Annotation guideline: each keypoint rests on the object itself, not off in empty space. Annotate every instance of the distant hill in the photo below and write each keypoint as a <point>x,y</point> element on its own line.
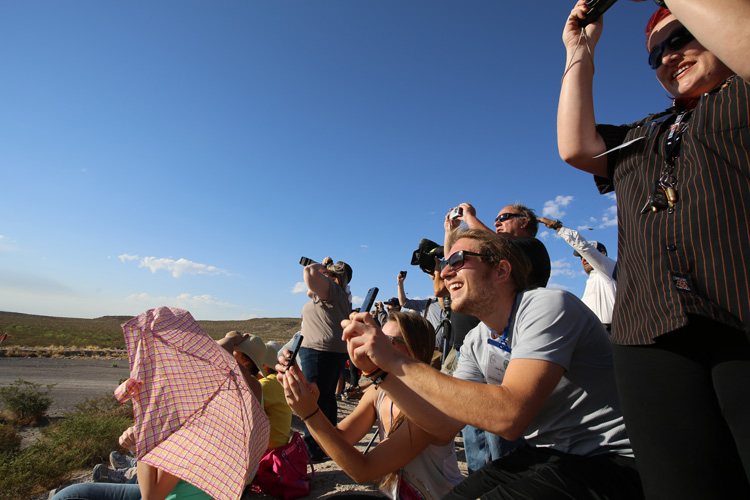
<point>30,330</point>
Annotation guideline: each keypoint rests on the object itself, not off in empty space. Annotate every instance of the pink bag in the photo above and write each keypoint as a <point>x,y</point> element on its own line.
<point>282,472</point>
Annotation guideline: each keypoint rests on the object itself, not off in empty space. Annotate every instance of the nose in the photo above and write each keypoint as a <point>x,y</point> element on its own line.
<point>447,271</point>
<point>669,56</point>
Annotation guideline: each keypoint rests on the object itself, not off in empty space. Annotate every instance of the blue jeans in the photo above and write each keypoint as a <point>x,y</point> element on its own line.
<point>482,447</point>
<point>99,491</point>
<point>323,368</point>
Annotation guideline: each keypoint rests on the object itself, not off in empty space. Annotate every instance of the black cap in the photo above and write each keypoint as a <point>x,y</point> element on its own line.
<point>599,246</point>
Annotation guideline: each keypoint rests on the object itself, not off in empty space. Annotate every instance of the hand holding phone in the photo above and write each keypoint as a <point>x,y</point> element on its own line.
<point>369,299</point>
<point>295,349</point>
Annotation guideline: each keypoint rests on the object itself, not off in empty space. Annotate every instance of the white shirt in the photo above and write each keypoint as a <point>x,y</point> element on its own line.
<point>600,290</point>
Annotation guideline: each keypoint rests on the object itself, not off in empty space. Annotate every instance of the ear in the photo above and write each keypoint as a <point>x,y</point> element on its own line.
<point>525,222</point>
<point>502,271</point>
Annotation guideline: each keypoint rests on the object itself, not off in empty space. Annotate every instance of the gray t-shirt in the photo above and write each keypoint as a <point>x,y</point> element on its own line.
<point>582,414</point>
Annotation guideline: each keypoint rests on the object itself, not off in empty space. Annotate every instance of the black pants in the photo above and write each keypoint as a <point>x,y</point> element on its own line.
<point>686,402</point>
<point>544,474</point>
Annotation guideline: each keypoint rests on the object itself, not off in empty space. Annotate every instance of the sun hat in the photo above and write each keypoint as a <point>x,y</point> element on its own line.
<point>254,347</point>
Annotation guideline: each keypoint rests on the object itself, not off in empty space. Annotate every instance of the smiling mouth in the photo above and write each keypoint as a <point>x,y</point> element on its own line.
<point>455,286</point>
<point>681,70</point>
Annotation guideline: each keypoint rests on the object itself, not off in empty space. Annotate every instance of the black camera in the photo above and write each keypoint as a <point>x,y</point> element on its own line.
<point>596,9</point>
<point>424,255</point>
<point>305,261</point>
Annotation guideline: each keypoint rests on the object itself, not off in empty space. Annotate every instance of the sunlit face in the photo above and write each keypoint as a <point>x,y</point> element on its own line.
<point>514,227</point>
<point>470,286</point>
<point>689,71</point>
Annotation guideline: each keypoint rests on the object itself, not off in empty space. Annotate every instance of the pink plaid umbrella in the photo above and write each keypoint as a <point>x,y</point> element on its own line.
<point>195,416</point>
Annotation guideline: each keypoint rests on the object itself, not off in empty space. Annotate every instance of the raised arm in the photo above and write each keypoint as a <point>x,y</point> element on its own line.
<point>577,139</point>
<point>400,285</point>
<point>317,282</point>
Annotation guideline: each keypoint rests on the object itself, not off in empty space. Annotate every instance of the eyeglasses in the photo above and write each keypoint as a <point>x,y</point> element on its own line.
<point>676,40</point>
<point>457,260</point>
<point>397,339</point>
<point>506,216</point>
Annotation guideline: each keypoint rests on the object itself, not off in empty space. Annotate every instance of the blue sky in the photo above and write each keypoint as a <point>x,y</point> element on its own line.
<point>187,153</point>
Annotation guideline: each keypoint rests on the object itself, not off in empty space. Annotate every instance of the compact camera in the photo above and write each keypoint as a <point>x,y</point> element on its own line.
<point>455,213</point>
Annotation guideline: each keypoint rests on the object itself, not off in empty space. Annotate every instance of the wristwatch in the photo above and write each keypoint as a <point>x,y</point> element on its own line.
<point>557,225</point>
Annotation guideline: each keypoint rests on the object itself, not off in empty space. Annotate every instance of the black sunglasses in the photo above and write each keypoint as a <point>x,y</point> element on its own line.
<point>676,40</point>
<point>506,216</point>
<point>457,260</point>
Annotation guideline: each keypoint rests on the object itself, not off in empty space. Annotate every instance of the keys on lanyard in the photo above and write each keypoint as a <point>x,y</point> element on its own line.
<point>664,193</point>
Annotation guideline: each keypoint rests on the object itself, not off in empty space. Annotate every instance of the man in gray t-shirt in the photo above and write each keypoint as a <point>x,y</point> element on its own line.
<point>540,366</point>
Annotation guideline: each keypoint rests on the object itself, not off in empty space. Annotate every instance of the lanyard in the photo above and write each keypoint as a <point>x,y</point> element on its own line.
<point>502,342</point>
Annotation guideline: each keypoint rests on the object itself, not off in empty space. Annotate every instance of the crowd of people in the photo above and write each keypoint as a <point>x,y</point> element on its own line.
<point>635,390</point>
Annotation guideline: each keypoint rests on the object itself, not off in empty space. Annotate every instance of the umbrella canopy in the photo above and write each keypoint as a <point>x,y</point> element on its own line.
<point>195,416</point>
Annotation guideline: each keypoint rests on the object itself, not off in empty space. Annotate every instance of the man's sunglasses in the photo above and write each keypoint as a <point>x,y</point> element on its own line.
<point>506,216</point>
<point>676,40</point>
<point>457,260</point>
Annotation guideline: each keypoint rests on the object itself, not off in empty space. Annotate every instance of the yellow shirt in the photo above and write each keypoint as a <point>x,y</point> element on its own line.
<point>277,410</point>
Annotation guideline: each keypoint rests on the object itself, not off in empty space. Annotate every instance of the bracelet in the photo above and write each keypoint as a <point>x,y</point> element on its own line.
<point>557,225</point>
<point>376,377</point>
<point>313,413</point>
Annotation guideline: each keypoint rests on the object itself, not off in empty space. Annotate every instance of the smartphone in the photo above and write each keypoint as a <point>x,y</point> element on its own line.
<point>306,262</point>
<point>596,9</point>
<point>295,349</point>
<point>402,274</point>
<point>369,299</point>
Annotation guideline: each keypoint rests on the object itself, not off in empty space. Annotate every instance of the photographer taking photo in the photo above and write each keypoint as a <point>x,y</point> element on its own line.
<point>682,178</point>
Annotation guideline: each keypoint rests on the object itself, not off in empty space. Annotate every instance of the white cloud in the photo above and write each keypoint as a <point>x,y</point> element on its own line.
<point>609,218</point>
<point>562,267</point>
<point>612,196</point>
<point>364,246</point>
<point>554,208</point>
<point>299,287</point>
<point>543,236</point>
<point>176,267</point>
